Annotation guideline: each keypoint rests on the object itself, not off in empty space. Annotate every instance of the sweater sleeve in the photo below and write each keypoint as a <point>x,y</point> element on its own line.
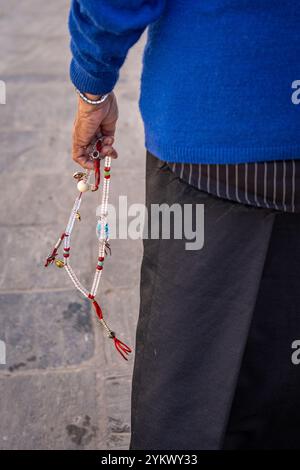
<point>102,32</point>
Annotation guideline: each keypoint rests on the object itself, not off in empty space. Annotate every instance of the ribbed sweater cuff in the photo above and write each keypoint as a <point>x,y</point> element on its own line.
<point>86,83</point>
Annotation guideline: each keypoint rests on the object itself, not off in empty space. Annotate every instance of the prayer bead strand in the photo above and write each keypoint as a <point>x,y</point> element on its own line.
<point>83,185</point>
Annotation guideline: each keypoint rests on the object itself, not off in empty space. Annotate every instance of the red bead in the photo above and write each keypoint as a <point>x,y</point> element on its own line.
<point>98,310</point>
<point>99,268</point>
<point>107,168</point>
<point>101,258</point>
<point>99,145</point>
<point>107,177</point>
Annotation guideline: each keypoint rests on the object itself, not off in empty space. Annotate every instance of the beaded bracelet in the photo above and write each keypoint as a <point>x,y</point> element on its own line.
<point>89,101</point>
<point>83,185</point>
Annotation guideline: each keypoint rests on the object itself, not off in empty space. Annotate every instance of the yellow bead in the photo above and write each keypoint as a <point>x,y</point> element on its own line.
<point>59,263</point>
<point>78,216</point>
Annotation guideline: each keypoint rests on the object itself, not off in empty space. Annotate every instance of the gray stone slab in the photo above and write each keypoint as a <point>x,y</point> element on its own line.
<point>29,152</point>
<point>55,395</point>
<point>37,110</point>
<point>122,269</point>
<point>129,144</point>
<point>119,442</point>
<point>30,18</point>
<point>118,390</point>
<point>23,253</point>
<point>33,58</point>
<point>46,330</point>
<point>47,199</point>
<point>31,230</point>
<point>26,244</point>
<point>63,410</point>
<point>56,192</point>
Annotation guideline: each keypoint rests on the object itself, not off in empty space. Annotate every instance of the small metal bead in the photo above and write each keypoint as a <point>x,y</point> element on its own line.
<point>96,154</point>
<point>78,175</point>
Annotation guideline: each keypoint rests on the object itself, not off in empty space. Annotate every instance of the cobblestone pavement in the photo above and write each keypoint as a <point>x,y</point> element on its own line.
<point>63,385</point>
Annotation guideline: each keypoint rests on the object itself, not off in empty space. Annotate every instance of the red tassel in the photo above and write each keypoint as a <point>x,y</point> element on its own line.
<point>122,348</point>
<point>52,256</point>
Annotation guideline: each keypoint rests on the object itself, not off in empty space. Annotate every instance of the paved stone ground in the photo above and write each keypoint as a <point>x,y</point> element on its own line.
<point>64,386</point>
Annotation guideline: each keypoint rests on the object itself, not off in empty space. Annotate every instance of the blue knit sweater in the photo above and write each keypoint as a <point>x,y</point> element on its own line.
<point>219,81</point>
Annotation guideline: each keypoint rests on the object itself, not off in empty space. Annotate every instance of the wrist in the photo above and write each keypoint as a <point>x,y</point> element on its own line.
<point>93,97</point>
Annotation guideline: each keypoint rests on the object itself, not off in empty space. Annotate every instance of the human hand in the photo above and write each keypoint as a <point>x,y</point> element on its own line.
<point>90,121</point>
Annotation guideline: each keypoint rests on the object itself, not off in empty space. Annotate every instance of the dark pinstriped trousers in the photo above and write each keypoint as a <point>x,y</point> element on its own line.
<point>213,346</point>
